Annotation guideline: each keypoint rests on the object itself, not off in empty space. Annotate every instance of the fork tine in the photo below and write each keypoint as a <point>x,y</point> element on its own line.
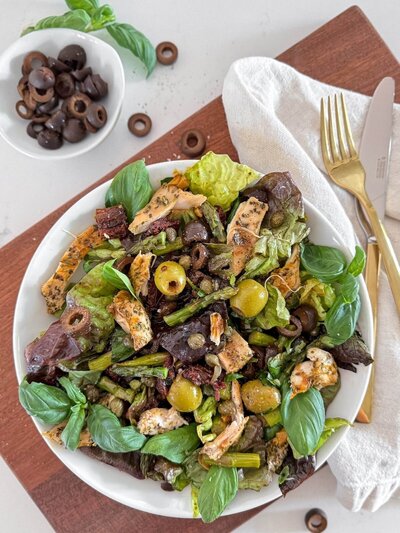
<point>334,150</point>
<point>324,136</point>
<point>339,130</point>
<point>349,136</point>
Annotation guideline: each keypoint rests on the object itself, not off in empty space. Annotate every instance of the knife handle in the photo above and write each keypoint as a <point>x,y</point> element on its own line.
<point>372,268</point>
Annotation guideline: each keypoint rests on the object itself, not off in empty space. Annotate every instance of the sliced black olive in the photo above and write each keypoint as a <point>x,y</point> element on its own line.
<point>307,316</point>
<point>94,86</point>
<point>73,56</point>
<point>48,106</point>
<point>23,110</point>
<point>22,86</point>
<point>57,66</point>
<point>100,84</point>
<point>41,95</point>
<point>88,126</point>
<point>42,78</point>
<point>76,321</point>
<point>40,119</point>
<point>77,105</point>
<point>199,256</point>
<point>34,128</point>
<point>81,74</point>
<point>290,331</point>
<point>30,102</point>
<point>51,140</point>
<point>33,60</point>
<point>74,131</point>
<point>64,85</point>
<point>195,231</point>
<point>96,115</point>
<point>57,121</point>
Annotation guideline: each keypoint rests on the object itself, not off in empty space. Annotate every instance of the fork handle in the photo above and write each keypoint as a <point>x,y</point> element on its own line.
<point>388,255</point>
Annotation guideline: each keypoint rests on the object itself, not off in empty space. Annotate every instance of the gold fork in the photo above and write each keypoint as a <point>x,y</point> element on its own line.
<point>344,167</point>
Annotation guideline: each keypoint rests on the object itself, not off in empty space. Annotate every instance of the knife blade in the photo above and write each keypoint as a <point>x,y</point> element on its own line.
<point>375,156</point>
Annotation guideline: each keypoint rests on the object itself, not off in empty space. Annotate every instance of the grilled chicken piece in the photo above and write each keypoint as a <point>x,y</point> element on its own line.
<point>139,273</point>
<point>277,450</point>
<point>132,317</point>
<point>231,434</point>
<point>287,278</point>
<point>160,420</point>
<point>319,371</point>
<point>55,288</point>
<point>242,232</point>
<point>217,328</point>
<point>167,197</point>
<point>54,434</point>
<point>235,354</point>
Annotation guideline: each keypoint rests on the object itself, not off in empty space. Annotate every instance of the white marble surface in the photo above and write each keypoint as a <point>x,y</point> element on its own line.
<point>210,34</point>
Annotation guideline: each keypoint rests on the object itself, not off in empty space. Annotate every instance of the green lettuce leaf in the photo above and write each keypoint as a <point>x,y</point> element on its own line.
<point>219,178</point>
<point>275,313</point>
<point>319,295</point>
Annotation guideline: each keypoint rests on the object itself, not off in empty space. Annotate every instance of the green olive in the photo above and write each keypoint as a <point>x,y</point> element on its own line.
<point>259,398</point>
<point>170,278</point>
<point>250,299</point>
<point>184,395</point>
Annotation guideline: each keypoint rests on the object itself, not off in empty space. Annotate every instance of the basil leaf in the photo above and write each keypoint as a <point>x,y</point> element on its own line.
<point>174,445</point>
<point>87,5</point>
<point>331,425</point>
<point>137,43</point>
<point>131,188</point>
<point>73,392</point>
<point>76,20</point>
<point>107,432</point>
<point>49,404</point>
<point>217,491</point>
<point>117,278</point>
<point>84,377</point>
<point>72,431</point>
<point>357,265</point>
<point>102,17</point>
<point>341,319</point>
<point>348,288</point>
<point>303,419</point>
<point>323,262</point>
<point>232,377</point>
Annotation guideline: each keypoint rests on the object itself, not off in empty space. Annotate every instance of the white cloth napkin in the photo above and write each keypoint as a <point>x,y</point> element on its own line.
<point>273,119</point>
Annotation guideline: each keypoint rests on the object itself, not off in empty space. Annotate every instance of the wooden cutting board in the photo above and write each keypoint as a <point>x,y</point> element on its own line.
<point>347,52</point>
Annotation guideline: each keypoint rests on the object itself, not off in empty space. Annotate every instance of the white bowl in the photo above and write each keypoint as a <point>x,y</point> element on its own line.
<point>103,59</point>
<point>147,495</point>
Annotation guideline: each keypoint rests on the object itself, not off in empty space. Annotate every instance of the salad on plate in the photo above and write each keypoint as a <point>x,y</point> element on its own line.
<point>198,334</point>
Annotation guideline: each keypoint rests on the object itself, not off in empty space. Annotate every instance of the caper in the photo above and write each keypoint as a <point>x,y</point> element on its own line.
<point>250,299</point>
<point>212,359</point>
<point>170,278</point>
<point>206,285</point>
<point>185,261</point>
<point>277,219</point>
<point>171,234</point>
<point>184,395</point>
<point>259,398</point>
<point>196,341</point>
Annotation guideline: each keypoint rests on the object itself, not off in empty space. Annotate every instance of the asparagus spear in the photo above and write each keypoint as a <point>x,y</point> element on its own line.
<point>177,244</point>
<point>212,217</point>
<point>152,359</point>
<point>140,371</point>
<point>148,244</point>
<point>237,460</point>
<point>180,316</point>
<point>102,362</point>
<point>108,385</point>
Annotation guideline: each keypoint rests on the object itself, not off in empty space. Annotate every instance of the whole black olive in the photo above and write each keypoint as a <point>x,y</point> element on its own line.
<point>96,115</point>
<point>73,56</point>
<point>42,78</point>
<point>57,66</point>
<point>57,121</point>
<point>195,231</point>
<point>32,60</point>
<point>307,316</point>
<point>81,74</point>
<point>49,139</point>
<point>74,131</point>
<point>48,106</point>
<point>64,85</point>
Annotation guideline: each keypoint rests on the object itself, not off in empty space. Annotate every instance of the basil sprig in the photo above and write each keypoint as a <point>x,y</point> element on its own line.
<point>174,445</point>
<point>88,16</point>
<point>216,492</point>
<point>107,432</point>
<point>48,404</point>
<point>72,431</point>
<point>323,262</point>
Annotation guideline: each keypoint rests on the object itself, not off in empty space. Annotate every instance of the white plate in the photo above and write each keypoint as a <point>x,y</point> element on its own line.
<point>103,59</point>
<point>31,317</point>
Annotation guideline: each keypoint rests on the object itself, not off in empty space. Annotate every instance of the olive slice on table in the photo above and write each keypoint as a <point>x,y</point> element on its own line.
<point>139,124</point>
<point>64,85</point>
<point>51,140</point>
<point>23,110</point>
<point>77,105</point>
<point>57,121</point>
<point>57,65</point>
<point>74,131</point>
<point>316,520</point>
<point>167,53</point>
<point>33,60</point>
<point>73,55</point>
<point>42,78</point>
<point>96,115</point>
<point>41,95</point>
<point>34,128</point>
<point>193,143</point>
